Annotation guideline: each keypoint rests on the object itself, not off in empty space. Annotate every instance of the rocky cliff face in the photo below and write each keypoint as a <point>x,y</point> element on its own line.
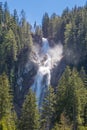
<point>25,79</point>
<point>57,72</point>
<point>44,67</point>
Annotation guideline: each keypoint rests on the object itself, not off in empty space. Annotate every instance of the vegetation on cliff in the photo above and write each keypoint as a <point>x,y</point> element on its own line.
<point>64,107</point>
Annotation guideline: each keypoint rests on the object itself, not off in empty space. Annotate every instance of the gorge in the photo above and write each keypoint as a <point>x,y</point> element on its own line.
<point>49,64</point>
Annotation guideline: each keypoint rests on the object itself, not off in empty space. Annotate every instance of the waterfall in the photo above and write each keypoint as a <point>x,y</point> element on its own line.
<point>46,58</point>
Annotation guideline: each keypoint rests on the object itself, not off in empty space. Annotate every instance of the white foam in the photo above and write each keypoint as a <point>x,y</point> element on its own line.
<point>47,58</point>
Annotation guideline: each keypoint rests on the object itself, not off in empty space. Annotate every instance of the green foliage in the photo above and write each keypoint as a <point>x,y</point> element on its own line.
<point>59,127</point>
<point>30,116</point>
<point>45,25</point>
<point>7,116</point>
<point>48,109</point>
<point>71,98</point>
<point>82,128</point>
<point>6,13</point>
<point>69,111</point>
<point>10,45</point>
<point>38,31</point>
<point>71,30</point>
<point>15,38</point>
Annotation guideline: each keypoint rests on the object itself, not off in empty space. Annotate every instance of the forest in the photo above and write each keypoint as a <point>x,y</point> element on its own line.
<point>64,106</point>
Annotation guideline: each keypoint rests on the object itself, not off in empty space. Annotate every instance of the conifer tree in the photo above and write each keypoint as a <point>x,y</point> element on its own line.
<point>7,113</point>
<point>6,13</point>
<point>83,76</point>
<point>45,25</point>
<point>10,48</point>
<point>71,98</point>
<point>29,119</point>
<point>48,109</point>
<point>15,16</point>
<point>1,13</point>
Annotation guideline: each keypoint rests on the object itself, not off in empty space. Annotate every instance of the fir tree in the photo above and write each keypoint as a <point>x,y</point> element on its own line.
<point>30,117</point>
<point>7,116</point>
<point>45,25</point>
<point>48,109</point>
<point>71,98</point>
<point>10,48</point>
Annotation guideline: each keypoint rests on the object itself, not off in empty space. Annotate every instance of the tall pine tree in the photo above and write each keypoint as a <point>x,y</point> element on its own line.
<point>48,109</point>
<point>7,114</point>
<point>29,119</point>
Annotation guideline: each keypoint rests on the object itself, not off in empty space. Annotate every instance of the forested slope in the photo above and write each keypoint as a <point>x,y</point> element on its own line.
<point>65,105</point>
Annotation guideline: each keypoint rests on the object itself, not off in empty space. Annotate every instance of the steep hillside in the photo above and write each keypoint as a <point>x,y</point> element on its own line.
<point>43,70</point>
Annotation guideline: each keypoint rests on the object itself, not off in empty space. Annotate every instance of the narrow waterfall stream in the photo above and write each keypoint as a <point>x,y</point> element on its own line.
<point>46,58</point>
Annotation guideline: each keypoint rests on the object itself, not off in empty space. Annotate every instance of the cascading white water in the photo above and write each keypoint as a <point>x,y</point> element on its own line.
<point>46,58</point>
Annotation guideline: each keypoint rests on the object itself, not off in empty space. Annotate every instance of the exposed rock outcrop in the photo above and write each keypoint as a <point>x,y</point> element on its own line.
<point>57,72</point>
<point>46,62</point>
<point>24,81</point>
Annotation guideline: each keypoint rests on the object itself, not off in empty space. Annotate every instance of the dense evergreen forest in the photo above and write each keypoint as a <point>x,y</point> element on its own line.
<point>64,108</point>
